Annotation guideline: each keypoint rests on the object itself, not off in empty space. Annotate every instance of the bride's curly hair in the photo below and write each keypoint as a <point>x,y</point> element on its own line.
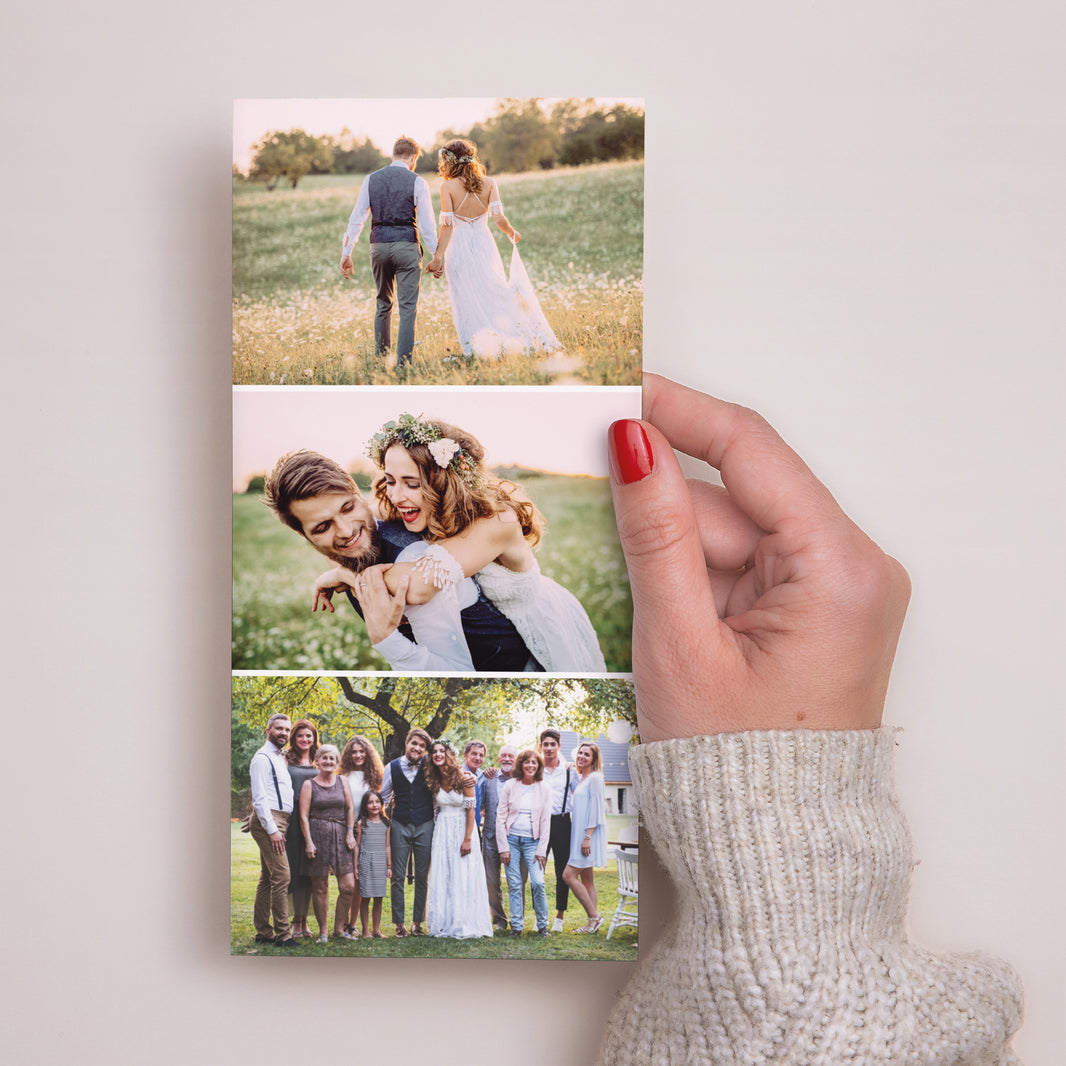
<point>446,776</point>
<point>458,159</point>
<point>455,497</point>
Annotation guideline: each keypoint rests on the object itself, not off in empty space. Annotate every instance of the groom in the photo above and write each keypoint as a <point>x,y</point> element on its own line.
<point>397,201</point>
<point>318,499</point>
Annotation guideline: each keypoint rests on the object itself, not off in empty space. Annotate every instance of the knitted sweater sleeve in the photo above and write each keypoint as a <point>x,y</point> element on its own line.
<point>792,863</point>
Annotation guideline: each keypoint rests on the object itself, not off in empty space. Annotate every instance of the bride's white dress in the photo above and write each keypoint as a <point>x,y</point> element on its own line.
<point>493,316</point>
<point>549,618</point>
<point>458,903</point>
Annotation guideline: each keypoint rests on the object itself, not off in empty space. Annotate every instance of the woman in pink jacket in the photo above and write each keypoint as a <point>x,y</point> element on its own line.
<point>523,825</point>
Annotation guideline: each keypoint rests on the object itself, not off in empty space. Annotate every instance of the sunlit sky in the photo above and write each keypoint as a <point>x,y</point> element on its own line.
<point>561,430</point>
<point>380,120</point>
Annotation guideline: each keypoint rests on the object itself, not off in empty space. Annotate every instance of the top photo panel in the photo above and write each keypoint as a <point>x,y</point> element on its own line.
<point>465,242</point>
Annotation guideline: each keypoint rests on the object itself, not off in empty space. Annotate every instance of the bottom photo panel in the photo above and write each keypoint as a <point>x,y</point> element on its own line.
<point>388,816</point>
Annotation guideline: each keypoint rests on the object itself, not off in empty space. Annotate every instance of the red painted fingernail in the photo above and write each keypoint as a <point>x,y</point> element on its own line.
<point>630,451</point>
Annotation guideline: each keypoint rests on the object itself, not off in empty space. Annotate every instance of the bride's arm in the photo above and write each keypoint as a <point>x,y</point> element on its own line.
<point>436,265</point>
<point>484,540</point>
<point>496,209</point>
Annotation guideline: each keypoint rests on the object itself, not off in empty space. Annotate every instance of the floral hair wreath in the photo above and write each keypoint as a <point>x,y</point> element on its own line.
<point>407,431</point>
<point>448,154</point>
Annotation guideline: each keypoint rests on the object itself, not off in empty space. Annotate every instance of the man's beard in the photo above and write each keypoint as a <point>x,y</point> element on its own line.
<point>370,554</point>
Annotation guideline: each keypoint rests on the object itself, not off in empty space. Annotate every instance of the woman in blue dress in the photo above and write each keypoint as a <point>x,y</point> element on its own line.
<point>588,834</point>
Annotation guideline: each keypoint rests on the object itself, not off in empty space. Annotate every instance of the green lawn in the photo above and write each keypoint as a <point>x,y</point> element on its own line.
<point>244,872</point>
<point>273,571</point>
<point>297,321</point>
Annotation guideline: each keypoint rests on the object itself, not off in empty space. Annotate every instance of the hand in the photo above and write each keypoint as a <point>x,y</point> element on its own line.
<point>505,858</point>
<point>435,267</point>
<point>759,605</point>
<point>491,772</point>
<point>346,266</point>
<point>349,841</point>
<point>310,849</point>
<point>328,583</point>
<point>382,610</point>
<point>277,842</point>
<point>516,236</point>
<point>388,871</point>
<point>586,847</point>
<point>467,780</point>
<point>464,848</point>
<point>246,825</point>
<point>542,861</point>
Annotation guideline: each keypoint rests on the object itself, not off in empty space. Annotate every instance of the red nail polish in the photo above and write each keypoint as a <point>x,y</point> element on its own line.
<point>630,451</point>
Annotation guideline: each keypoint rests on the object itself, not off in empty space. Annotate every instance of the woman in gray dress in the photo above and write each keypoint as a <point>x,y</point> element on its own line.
<point>328,818</point>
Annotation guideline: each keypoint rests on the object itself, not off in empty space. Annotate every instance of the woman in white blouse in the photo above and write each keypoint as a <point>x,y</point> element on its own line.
<point>523,826</point>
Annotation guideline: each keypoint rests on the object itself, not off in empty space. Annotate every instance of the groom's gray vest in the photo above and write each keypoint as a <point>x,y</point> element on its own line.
<point>392,205</point>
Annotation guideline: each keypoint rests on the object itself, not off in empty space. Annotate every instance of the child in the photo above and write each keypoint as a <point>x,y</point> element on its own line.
<point>373,858</point>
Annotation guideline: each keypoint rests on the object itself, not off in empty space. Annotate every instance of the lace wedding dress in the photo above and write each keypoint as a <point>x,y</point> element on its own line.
<point>458,895</point>
<point>549,619</point>
<point>493,316</point>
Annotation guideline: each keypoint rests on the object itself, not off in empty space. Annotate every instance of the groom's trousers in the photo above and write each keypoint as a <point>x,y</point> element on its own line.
<point>397,268</point>
<point>405,839</point>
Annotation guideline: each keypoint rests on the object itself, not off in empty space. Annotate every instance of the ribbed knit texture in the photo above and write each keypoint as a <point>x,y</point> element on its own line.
<point>792,863</point>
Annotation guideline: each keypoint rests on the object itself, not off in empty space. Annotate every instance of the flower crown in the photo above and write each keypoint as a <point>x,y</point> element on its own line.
<point>448,154</point>
<point>408,430</point>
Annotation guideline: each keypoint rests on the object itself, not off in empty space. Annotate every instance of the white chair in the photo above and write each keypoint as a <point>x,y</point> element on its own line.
<point>626,911</point>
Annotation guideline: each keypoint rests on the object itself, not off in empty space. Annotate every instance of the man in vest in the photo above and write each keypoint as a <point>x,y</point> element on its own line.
<point>412,825</point>
<point>271,810</point>
<point>400,208</point>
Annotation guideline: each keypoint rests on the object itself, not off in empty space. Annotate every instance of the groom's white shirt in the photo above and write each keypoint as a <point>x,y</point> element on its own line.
<point>437,627</point>
<point>427,221</point>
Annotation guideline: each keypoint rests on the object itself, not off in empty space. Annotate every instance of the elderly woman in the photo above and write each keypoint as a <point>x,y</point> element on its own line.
<point>523,827</point>
<point>328,821</point>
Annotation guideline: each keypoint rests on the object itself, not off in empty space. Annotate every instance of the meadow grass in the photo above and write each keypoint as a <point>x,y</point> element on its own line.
<point>244,873</point>
<point>297,321</point>
<point>274,570</point>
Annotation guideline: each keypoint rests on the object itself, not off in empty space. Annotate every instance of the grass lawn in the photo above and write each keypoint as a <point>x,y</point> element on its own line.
<point>273,571</point>
<point>244,872</point>
<point>297,321</point>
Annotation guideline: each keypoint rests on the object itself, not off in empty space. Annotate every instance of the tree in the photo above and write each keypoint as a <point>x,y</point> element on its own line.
<point>593,135</point>
<point>351,156</point>
<point>289,155</point>
<point>519,136</point>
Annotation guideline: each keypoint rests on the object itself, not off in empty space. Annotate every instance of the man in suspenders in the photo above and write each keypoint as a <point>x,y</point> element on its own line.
<point>272,809</point>
<point>562,779</point>
<point>401,209</point>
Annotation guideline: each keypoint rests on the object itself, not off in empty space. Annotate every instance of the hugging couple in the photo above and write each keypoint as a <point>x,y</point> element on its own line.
<point>446,580</point>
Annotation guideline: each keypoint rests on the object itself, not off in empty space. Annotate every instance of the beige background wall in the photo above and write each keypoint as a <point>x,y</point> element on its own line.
<point>854,222</point>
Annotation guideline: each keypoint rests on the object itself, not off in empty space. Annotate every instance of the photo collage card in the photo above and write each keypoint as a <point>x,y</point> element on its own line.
<point>437,313</point>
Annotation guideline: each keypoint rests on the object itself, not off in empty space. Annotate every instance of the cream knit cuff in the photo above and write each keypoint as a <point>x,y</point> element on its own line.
<point>792,862</point>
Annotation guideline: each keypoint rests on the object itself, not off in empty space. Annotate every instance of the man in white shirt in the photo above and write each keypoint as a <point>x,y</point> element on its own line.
<point>401,209</point>
<point>271,810</point>
<point>562,778</point>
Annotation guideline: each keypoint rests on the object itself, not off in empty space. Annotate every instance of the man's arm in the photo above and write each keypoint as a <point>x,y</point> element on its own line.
<point>263,792</point>
<point>386,786</point>
<point>356,221</point>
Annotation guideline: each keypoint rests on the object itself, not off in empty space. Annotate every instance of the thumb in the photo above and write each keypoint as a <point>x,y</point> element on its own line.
<point>673,606</point>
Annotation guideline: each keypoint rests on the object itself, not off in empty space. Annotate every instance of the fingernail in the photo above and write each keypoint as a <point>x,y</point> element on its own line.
<point>630,451</point>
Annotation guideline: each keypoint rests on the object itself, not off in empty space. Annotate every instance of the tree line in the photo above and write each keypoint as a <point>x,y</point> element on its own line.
<point>520,135</point>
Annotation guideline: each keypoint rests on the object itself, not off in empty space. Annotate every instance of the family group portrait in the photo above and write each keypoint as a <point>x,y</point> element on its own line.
<point>419,531</point>
<point>446,241</point>
<point>435,817</point>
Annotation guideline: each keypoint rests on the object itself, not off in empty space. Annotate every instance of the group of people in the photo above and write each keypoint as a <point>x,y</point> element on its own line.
<point>493,315</point>
<point>447,580</point>
<point>318,811</point>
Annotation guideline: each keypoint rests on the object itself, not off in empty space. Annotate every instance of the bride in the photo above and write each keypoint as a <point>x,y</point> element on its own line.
<point>434,481</point>
<point>458,894</point>
<point>493,316</point>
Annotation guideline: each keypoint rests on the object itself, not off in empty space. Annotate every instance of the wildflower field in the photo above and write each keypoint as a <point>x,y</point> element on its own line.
<point>297,321</point>
<point>274,570</point>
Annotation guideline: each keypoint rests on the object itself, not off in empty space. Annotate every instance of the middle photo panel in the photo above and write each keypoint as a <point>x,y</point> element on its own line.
<point>428,530</point>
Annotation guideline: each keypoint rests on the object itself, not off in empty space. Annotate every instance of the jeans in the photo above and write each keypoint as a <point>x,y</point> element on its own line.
<point>525,848</point>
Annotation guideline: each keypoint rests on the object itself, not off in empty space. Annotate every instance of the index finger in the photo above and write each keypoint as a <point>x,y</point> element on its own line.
<point>763,475</point>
